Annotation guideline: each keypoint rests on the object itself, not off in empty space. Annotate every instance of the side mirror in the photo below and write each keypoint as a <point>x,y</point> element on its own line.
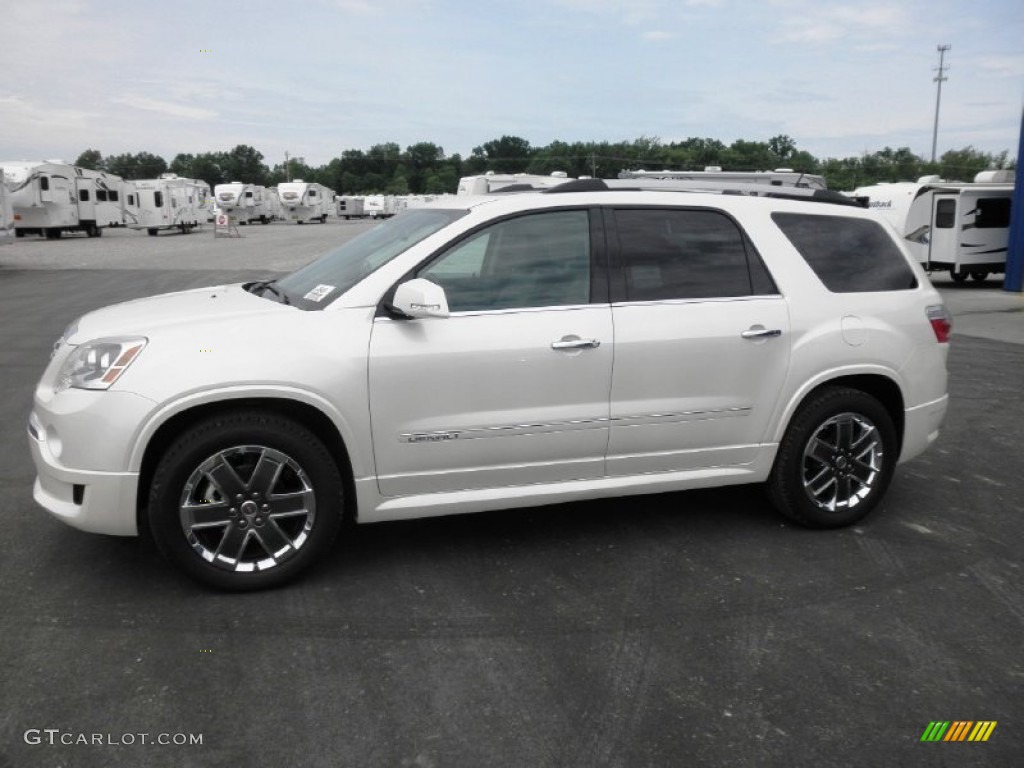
<point>421,298</point>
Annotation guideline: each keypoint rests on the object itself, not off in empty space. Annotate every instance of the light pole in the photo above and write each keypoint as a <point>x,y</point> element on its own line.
<point>939,78</point>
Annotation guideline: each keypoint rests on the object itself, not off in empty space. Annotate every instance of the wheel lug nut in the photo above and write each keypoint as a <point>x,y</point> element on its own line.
<point>266,507</point>
<point>242,523</point>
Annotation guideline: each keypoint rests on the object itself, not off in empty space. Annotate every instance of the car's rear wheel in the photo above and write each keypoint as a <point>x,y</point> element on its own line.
<point>245,501</point>
<point>836,459</point>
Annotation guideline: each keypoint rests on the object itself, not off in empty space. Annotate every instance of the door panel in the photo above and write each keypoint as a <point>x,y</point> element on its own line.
<point>512,388</point>
<point>701,342</point>
<point>483,400</point>
<point>688,390</point>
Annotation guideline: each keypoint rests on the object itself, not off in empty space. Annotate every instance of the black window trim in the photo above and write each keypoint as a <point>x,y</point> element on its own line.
<point>617,272</point>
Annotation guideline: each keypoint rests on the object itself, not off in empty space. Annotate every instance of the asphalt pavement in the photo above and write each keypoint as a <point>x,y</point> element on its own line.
<point>681,629</point>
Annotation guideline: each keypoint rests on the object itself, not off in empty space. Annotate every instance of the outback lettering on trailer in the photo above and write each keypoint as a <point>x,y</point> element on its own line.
<point>880,204</point>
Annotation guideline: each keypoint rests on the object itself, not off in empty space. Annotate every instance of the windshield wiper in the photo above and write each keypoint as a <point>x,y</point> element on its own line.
<point>268,285</point>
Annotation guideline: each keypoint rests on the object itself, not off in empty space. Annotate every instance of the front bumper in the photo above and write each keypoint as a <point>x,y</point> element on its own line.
<point>80,442</point>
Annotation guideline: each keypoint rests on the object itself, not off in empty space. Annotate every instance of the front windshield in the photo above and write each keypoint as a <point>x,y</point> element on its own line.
<point>320,282</point>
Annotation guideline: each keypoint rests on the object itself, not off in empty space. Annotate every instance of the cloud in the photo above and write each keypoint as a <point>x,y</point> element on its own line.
<point>823,23</point>
<point>658,35</point>
<point>165,107</point>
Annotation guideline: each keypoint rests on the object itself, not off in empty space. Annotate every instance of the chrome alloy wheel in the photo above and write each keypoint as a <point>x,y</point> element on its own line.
<point>247,508</point>
<point>842,462</point>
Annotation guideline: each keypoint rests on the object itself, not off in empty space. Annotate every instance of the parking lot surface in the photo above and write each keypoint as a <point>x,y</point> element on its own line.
<point>693,628</point>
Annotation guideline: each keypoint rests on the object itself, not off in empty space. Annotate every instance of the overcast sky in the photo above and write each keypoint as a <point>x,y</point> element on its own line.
<point>316,77</point>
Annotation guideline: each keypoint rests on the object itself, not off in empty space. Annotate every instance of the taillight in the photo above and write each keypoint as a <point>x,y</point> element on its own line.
<point>941,322</point>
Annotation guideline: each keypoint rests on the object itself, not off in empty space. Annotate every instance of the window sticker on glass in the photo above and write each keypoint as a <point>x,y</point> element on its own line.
<point>319,293</point>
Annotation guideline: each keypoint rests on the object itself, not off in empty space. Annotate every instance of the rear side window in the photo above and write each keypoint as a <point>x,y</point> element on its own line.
<point>686,254</point>
<point>848,255</point>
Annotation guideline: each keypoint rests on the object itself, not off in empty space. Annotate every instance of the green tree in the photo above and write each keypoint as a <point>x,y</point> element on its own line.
<point>91,159</point>
<point>141,166</point>
<point>509,154</point>
<point>245,164</point>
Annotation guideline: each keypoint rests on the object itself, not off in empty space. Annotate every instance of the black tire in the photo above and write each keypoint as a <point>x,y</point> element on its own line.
<point>835,460</point>
<point>53,234</point>
<point>958,275</point>
<point>152,231</point>
<point>262,460</point>
<point>979,275</point>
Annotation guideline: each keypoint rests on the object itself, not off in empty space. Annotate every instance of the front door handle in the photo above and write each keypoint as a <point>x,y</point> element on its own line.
<point>761,333</point>
<point>575,342</point>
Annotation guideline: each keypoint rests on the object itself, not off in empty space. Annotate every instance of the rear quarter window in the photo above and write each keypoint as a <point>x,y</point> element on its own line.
<point>848,255</point>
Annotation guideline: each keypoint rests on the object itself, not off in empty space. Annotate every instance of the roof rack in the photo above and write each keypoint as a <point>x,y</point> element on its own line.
<point>723,187</point>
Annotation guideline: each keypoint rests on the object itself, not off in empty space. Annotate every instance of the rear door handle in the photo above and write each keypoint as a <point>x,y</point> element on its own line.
<point>575,342</point>
<point>761,333</point>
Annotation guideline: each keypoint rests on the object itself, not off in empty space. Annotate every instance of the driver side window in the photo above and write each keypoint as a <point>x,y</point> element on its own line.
<point>539,260</point>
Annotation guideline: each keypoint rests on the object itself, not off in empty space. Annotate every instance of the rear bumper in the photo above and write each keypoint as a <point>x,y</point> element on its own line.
<point>921,426</point>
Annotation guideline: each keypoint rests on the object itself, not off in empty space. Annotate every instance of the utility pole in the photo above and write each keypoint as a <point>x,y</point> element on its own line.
<point>939,78</point>
<point>288,167</point>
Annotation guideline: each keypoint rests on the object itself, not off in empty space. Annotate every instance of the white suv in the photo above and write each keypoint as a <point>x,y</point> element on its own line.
<point>507,351</point>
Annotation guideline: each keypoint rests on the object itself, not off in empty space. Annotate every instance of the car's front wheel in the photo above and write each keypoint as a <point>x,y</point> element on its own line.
<point>835,460</point>
<point>245,501</point>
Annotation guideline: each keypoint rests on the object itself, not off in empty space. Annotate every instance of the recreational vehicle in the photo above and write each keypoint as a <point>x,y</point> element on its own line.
<point>51,198</point>
<point>168,202</point>
<point>780,177</point>
<point>496,182</point>
<point>243,203</point>
<point>380,206</point>
<point>351,207</point>
<point>303,201</point>
<point>6,213</point>
<point>957,226</point>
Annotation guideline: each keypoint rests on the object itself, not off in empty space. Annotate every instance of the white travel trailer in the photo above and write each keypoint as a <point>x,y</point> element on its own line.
<point>6,213</point>
<point>303,201</point>
<point>51,198</point>
<point>351,207</point>
<point>957,226</point>
<point>780,177</point>
<point>204,198</point>
<point>380,206</point>
<point>169,202</point>
<point>496,182</point>
<point>244,203</point>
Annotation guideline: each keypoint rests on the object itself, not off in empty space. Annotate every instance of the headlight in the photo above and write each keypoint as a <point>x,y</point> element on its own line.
<point>98,364</point>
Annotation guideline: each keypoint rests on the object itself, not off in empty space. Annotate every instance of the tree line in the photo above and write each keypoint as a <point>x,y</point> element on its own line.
<point>424,168</point>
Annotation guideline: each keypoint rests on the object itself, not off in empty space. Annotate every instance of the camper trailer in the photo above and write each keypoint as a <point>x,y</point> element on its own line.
<point>169,202</point>
<point>780,177</point>
<point>303,201</point>
<point>956,226</point>
<point>203,198</point>
<point>497,182</point>
<point>6,213</point>
<point>244,203</point>
<point>52,198</point>
<point>350,207</point>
